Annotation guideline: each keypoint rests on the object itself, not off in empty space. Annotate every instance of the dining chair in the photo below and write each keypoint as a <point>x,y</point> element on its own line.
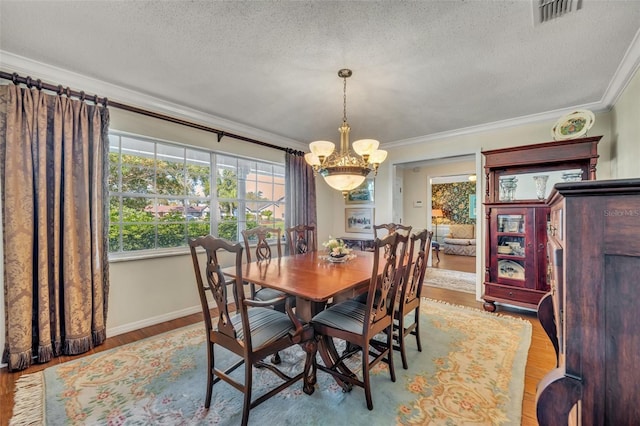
<point>263,252</point>
<point>357,323</point>
<point>408,298</point>
<point>253,331</point>
<point>302,239</point>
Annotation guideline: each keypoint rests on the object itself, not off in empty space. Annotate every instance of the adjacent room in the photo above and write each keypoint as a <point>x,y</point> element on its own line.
<point>318,212</point>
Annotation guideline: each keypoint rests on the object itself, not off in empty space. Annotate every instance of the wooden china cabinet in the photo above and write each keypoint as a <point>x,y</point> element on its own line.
<point>518,180</point>
<point>594,262</point>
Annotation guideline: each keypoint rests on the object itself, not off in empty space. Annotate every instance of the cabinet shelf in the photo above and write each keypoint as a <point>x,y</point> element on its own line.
<point>510,257</point>
<point>511,281</point>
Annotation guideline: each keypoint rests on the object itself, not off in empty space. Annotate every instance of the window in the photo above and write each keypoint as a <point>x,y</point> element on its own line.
<point>161,194</point>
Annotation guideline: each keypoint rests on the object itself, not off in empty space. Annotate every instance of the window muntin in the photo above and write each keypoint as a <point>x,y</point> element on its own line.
<point>162,193</point>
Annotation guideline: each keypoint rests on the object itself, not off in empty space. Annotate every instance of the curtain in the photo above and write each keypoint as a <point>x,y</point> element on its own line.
<point>300,185</point>
<point>53,170</point>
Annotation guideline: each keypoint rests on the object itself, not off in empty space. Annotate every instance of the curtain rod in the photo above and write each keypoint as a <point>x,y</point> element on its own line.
<point>38,84</point>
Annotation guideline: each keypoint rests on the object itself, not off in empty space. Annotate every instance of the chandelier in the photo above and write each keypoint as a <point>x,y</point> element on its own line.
<point>345,170</point>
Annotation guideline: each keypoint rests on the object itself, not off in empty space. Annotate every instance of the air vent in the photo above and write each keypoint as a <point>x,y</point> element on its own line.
<point>546,10</point>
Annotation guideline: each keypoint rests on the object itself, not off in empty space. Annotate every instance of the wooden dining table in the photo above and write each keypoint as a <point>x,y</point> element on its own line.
<point>311,278</point>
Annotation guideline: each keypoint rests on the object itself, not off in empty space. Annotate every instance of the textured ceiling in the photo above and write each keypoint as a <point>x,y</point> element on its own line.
<point>419,68</point>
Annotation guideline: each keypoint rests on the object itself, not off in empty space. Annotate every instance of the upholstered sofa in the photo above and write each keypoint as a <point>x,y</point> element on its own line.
<point>460,240</point>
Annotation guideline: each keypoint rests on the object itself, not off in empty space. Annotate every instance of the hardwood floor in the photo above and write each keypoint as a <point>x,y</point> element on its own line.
<point>455,263</point>
<point>541,358</point>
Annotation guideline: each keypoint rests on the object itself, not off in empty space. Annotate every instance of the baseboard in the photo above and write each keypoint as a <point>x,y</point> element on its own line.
<point>125,328</point>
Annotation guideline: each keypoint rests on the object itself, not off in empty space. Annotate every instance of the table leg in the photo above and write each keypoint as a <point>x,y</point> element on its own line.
<point>330,357</point>
<point>306,309</point>
<point>309,380</point>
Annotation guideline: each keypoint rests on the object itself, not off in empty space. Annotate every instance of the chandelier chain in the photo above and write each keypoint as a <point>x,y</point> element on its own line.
<point>344,100</point>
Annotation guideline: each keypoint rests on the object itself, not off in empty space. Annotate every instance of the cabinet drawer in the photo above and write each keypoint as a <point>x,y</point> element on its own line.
<point>512,293</point>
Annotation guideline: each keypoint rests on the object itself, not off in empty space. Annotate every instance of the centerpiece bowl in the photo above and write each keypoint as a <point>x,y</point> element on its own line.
<point>337,250</point>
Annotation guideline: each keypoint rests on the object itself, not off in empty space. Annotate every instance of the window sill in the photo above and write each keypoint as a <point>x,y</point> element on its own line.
<point>148,254</point>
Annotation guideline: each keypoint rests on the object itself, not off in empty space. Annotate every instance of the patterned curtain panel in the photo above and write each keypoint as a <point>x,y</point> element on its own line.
<point>53,167</point>
<point>300,193</point>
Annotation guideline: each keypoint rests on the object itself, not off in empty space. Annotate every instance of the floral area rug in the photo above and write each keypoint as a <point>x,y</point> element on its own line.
<point>471,371</point>
<point>452,280</point>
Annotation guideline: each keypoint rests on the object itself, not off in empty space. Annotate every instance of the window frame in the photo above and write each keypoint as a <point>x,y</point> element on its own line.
<point>217,161</point>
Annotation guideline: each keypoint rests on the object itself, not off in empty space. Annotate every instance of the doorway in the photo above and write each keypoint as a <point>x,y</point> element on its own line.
<point>418,208</point>
<point>453,214</point>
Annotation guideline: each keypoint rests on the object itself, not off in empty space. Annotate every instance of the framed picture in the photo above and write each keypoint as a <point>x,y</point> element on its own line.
<point>362,194</point>
<point>358,220</point>
<point>472,206</point>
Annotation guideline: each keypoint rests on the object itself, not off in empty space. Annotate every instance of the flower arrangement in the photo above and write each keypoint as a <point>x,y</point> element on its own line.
<point>336,247</point>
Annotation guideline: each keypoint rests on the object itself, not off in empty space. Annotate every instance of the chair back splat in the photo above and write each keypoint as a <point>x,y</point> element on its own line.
<point>357,322</point>
<point>253,331</point>
<point>302,239</point>
<point>260,236</point>
<point>410,290</point>
<point>391,228</point>
<point>403,230</point>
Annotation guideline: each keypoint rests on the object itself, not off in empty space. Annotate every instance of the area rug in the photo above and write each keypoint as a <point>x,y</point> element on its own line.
<point>452,280</point>
<point>471,371</point>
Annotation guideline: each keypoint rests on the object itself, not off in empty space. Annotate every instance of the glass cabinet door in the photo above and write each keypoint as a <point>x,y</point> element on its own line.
<point>511,246</point>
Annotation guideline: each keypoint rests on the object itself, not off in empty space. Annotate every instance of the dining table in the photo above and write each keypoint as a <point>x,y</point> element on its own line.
<point>314,279</point>
<point>311,277</point>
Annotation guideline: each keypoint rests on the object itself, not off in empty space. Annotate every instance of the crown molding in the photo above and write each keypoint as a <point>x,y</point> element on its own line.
<point>496,125</point>
<point>10,62</point>
<point>624,74</point>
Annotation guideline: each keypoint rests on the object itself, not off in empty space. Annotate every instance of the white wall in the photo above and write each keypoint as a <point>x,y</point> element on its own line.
<point>626,131</point>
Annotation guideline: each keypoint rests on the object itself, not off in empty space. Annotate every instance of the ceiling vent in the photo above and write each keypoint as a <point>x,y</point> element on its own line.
<point>547,10</point>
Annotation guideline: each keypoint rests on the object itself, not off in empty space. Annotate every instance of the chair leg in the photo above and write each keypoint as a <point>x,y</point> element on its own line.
<point>248,378</point>
<point>210,366</point>
<point>275,359</point>
<point>365,377</point>
<point>403,353</point>
<point>417,329</point>
<point>392,369</point>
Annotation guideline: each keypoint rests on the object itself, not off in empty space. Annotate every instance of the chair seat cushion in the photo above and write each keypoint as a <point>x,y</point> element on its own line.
<point>267,325</point>
<point>347,316</point>
<point>267,294</point>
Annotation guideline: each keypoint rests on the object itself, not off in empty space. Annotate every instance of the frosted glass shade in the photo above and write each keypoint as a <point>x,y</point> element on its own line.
<point>365,146</point>
<point>322,148</point>
<point>311,159</point>
<point>377,156</point>
<point>344,182</point>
